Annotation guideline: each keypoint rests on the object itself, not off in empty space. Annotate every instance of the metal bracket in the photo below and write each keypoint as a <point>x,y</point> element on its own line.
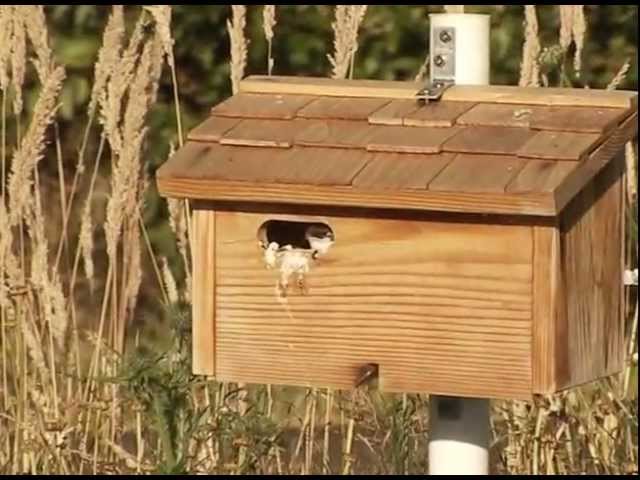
<point>434,92</point>
<point>443,64</point>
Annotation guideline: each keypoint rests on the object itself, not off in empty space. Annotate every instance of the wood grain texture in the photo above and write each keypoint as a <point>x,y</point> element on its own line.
<point>550,354</point>
<point>461,93</point>
<point>499,115</point>
<point>333,134</point>
<point>204,292</point>
<point>212,129</point>
<point>408,139</point>
<point>560,146</point>
<point>577,119</point>
<point>488,140</point>
<point>440,307</point>
<point>534,204</point>
<point>274,107</point>
<point>477,173</point>
<point>393,112</point>
<point>541,176</point>
<point>328,108</point>
<point>591,245</point>
<point>322,166</point>
<point>436,114</point>
<point>400,171</point>
<point>261,133</point>
<point>597,161</point>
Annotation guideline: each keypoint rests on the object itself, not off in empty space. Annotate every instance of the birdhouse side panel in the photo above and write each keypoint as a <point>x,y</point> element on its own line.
<point>592,243</point>
<point>203,292</point>
<point>440,307</point>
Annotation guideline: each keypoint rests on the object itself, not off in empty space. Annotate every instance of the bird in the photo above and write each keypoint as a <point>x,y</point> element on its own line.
<point>320,239</point>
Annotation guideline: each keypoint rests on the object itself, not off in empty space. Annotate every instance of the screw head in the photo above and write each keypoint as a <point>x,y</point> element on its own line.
<point>439,61</point>
<point>445,36</point>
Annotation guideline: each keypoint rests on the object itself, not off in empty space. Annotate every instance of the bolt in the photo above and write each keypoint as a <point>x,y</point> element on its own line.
<point>445,36</point>
<point>439,61</point>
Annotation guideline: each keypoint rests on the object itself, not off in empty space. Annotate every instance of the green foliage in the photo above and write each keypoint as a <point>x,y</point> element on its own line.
<point>161,384</point>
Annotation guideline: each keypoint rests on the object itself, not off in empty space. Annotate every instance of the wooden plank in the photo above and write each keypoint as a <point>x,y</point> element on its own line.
<point>394,112</point>
<point>261,133</point>
<point>477,173</point>
<point>488,140</point>
<point>329,108</point>
<point>219,162</point>
<point>461,93</point>
<point>322,166</point>
<point>400,171</point>
<point>592,247</point>
<point>212,129</point>
<point>183,160</point>
<point>409,139</point>
<point>334,133</point>
<point>599,159</point>
<point>301,165</point>
<point>541,176</point>
<point>437,114</point>
<point>331,87</point>
<point>499,115</point>
<point>436,305</point>
<point>577,119</point>
<point>204,292</point>
<point>560,146</point>
<point>550,356</point>
<point>543,96</point>
<point>534,204</point>
<point>274,107</point>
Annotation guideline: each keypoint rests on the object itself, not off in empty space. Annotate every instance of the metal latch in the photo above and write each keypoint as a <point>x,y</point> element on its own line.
<point>434,92</point>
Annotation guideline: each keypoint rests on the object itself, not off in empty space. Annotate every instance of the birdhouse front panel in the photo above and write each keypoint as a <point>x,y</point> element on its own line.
<point>346,232</point>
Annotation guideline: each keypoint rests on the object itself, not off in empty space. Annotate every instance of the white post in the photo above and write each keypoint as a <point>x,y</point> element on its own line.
<point>459,429</point>
<point>459,436</point>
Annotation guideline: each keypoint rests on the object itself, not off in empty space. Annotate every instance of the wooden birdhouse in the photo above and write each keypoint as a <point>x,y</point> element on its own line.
<point>468,246</point>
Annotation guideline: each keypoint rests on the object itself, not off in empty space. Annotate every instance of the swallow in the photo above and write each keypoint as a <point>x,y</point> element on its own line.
<point>320,239</point>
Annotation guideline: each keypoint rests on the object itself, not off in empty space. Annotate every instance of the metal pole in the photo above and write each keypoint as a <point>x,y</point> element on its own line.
<point>459,441</point>
<point>459,430</point>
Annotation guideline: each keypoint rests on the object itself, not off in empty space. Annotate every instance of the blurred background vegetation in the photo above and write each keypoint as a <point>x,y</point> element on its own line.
<point>393,44</point>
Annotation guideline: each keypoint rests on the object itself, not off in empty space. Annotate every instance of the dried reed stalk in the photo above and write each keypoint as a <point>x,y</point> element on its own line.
<point>6,34</point>
<point>348,19</point>
<point>239,44</point>
<point>619,77</point>
<point>572,29</point>
<point>18,58</point>
<point>327,432</point>
<point>108,55</point>
<point>26,158</point>
<point>169,281</point>
<point>178,223</point>
<point>530,67</point>
<point>269,23</point>
<point>36,29</point>
<point>162,17</point>
<point>424,69</point>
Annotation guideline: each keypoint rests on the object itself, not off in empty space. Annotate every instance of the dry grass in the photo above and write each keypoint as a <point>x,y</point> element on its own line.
<point>269,23</point>
<point>85,401</point>
<point>530,68</point>
<point>239,44</point>
<point>348,19</point>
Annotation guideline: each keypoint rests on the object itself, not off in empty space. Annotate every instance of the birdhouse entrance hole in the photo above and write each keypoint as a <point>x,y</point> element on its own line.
<point>292,248</point>
<point>316,238</point>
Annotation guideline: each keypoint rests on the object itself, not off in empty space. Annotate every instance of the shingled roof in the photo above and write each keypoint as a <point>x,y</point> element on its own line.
<point>372,144</point>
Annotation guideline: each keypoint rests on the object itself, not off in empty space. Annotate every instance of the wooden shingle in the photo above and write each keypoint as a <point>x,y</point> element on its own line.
<point>502,150</point>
